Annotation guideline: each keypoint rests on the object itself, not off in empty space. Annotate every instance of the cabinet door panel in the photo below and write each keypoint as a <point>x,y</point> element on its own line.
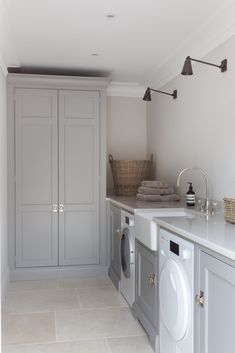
<point>36,164</point>
<point>146,292</point>
<point>37,225</point>
<point>82,105</point>
<point>217,317</point>
<point>79,177</point>
<point>80,241</point>
<point>36,177</point>
<point>79,164</point>
<point>115,226</point>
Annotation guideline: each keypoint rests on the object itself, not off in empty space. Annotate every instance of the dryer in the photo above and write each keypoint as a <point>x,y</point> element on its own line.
<point>176,293</point>
<point>127,251</point>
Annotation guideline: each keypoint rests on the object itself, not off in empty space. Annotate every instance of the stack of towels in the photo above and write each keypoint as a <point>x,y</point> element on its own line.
<point>156,190</point>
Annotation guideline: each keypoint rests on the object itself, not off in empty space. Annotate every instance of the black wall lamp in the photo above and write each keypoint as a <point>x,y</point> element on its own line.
<point>187,69</point>
<point>147,95</point>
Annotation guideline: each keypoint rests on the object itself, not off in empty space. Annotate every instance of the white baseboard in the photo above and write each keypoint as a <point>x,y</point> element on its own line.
<point>4,283</point>
<point>27,274</point>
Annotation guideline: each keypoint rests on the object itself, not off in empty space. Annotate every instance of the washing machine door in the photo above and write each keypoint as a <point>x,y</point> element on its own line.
<point>126,252</point>
<point>174,299</point>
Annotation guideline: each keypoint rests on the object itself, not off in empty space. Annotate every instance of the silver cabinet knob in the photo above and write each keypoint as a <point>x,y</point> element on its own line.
<point>55,208</point>
<point>200,299</point>
<point>61,208</point>
<point>152,279</point>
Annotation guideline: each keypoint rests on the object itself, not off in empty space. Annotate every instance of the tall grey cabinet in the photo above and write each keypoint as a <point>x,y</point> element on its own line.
<point>59,172</point>
<point>216,305</point>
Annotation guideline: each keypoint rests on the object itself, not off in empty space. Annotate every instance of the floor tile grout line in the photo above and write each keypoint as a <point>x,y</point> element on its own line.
<point>56,333</point>
<point>79,300</point>
<point>76,308</point>
<point>46,311</point>
<point>40,290</point>
<point>75,340</point>
<point>96,309</point>
<point>70,340</point>
<point>32,312</point>
<point>107,345</point>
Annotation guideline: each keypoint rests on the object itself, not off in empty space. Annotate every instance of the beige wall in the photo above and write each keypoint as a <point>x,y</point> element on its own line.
<point>197,129</point>
<point>126,129</point>
<point>3,183</point>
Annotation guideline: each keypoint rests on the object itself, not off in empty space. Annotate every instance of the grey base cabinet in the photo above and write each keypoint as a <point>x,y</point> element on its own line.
<point>115,237</point>
<point>216,306</point>
<point>145,308</point>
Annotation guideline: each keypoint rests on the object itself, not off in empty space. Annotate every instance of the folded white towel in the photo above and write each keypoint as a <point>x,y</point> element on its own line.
<point>155,183</point>
<point>156,198</point>
<point>155,191</point>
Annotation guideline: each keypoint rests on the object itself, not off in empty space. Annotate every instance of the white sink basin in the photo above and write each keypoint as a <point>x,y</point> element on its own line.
<point>146,228</point>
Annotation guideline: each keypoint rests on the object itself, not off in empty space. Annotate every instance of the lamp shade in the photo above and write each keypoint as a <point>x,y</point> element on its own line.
<point>187,69</point>
<point>147,95</point>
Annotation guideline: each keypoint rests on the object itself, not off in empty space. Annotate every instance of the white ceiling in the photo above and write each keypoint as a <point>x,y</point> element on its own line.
<point>142,37</point>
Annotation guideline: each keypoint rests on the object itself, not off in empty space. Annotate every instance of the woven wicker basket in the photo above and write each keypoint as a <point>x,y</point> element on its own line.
<point>229,210</point>
<point>128,174</point>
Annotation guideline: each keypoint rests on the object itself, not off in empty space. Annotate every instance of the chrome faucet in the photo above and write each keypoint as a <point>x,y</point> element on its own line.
<point>206,207</point>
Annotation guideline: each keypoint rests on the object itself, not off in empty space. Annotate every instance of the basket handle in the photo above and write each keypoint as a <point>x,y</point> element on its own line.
<point>110,158</point>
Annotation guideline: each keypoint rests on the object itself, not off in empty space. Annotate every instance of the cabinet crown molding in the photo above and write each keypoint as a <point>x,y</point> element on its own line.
<point>52,81</point>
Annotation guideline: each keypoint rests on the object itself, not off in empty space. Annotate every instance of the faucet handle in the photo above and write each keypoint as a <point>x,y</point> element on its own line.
<point>201,204</point>
<point>213,207</point>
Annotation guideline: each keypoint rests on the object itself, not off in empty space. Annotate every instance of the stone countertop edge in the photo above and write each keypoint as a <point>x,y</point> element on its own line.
<point>213,233</point>
<point>130,203</point>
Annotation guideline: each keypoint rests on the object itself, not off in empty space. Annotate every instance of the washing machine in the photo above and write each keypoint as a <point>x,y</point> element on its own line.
<point>176,294</point>
<point>127,251</point>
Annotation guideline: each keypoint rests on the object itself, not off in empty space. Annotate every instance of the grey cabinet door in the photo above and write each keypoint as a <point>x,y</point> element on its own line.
<point>115,227</point>
<point>217,316</point>
<point>147,282</point>
<point>79,177</point>
<point>36,151</point>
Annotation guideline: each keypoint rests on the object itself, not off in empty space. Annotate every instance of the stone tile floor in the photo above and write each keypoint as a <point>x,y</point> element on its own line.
<point>69,316</point>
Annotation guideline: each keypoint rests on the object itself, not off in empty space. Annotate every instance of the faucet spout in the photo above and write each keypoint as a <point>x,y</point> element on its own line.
<point>207,203</point>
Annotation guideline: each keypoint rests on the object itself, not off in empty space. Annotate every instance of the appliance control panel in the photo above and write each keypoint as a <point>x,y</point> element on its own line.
<point>175,247</point>
<point>127,219</point>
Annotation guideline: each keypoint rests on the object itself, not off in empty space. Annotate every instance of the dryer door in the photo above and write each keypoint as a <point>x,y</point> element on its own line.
<point>174,299</point>
<point>126,252</point>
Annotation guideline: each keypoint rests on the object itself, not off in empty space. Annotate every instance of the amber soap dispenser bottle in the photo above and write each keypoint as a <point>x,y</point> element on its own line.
<point>191,198</point>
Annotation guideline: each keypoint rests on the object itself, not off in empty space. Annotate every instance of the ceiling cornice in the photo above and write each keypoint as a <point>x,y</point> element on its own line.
<point>3,66</point>
<point>219,28</point>
<point>7,45</point>
<point>125,89</point>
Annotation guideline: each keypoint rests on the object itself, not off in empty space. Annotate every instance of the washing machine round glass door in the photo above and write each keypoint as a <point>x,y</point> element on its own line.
<point>126,253</point>
<point>174,299</point>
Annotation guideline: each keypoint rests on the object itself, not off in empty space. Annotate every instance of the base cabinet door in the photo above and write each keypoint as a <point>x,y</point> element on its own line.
<point>217,307</point>
<point>146,282</point>
<point>115,229</point>
<point>36,177</point>
<point>79,177</point>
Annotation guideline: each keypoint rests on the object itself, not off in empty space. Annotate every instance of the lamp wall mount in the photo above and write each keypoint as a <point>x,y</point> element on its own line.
<point>187,68</point>
<point>147,95</point>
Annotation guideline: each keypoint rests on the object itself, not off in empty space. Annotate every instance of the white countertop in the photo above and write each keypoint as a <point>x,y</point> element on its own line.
<point>130,203</point>
<point>214,233</point>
